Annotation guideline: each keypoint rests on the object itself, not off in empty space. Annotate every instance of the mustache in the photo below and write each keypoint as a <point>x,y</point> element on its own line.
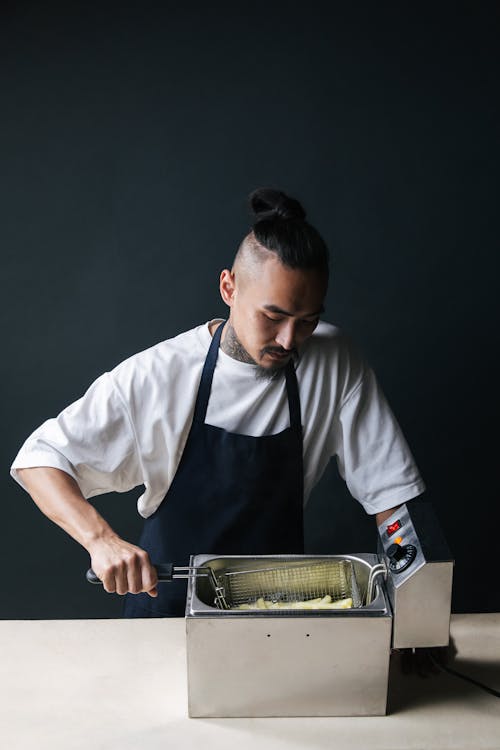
<point>279,350</point>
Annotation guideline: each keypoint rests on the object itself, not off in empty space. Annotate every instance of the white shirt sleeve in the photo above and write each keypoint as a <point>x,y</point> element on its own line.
<point>131,427</point>
<point>372,454</point>
<point>92,440</point>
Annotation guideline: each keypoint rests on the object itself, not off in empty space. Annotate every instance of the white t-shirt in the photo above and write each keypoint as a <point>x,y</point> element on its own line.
<point>131,426</point>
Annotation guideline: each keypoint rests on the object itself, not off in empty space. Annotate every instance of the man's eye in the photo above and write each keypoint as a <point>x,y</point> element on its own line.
<point>274,320</point>
<point>310,322</point>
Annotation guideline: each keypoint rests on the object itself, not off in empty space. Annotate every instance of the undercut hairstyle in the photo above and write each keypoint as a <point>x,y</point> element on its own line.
<point>280,227</point>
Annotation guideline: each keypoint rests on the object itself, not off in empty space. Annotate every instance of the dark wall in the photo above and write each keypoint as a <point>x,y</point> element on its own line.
<point>131,136</point>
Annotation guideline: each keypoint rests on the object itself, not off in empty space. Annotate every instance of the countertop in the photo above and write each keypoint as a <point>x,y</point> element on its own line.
<point>106,684</point>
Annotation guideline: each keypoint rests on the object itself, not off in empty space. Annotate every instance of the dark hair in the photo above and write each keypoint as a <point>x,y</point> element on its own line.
<point>281,227</point>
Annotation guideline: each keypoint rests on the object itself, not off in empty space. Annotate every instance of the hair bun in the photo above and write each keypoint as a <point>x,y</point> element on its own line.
<point>268,203</point>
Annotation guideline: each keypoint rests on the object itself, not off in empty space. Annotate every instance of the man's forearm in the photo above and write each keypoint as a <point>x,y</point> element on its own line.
<point>381,517</point>
<point>122,567</point>
<point>58,496</point>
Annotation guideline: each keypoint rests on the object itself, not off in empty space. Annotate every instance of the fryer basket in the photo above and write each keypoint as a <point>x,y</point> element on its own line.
<point>292,582</point>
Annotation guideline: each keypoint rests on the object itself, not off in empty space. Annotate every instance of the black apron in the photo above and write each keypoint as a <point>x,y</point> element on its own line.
<point>232,494</point>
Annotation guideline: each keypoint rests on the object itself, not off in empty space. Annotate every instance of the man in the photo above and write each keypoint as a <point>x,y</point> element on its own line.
<point>228,426</point>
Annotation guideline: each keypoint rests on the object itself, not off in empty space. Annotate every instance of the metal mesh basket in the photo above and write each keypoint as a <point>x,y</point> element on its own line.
<point>292,582</point>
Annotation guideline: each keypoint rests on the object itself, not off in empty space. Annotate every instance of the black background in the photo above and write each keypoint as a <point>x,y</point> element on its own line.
<point>131,137</point>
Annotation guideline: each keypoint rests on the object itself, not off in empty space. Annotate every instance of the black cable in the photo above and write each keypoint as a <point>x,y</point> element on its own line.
<point>453,672</point>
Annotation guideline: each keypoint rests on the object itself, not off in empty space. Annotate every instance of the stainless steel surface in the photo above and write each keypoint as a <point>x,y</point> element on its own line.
<point>377,573</point>
<point>420,595</point>
<point>288,666</point>
<point>423,608</point>
<point>287,662</point>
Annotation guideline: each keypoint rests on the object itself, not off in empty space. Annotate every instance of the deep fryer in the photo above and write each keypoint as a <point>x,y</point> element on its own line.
<point>325,662</point>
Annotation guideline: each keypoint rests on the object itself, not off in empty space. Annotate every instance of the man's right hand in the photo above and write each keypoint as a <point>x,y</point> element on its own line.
<point>122,567</point>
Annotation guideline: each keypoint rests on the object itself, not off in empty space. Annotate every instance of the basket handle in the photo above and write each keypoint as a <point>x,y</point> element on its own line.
<point>164,571</point>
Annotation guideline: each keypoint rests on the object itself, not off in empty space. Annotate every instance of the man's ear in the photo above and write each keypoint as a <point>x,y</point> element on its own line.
<point>227,286</point>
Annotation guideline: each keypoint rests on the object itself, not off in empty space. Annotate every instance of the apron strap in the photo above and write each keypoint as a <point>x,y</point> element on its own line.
<point>292,390</point>
<point>207,376</point>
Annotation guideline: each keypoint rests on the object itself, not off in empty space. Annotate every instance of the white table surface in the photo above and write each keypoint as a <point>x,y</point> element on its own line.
<point>106,684</point>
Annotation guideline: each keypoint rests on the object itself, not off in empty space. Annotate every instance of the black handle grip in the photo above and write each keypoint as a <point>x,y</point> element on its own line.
<point>165,572</point>
<point>91,577</point>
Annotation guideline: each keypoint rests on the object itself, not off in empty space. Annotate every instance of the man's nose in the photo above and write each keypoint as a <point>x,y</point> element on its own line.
<point>286,336</point>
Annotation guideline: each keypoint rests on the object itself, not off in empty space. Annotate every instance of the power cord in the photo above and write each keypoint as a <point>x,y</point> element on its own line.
<point>453,672</point>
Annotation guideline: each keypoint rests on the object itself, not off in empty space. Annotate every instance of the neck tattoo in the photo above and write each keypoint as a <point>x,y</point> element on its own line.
<point>234,348</point>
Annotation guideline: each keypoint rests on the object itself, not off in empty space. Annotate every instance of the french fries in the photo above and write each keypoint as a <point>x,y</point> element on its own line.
<point>324,602</point>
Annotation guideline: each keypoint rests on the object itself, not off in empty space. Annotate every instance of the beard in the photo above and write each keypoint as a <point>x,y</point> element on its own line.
<point>275,370</point>
<point>234,348</point>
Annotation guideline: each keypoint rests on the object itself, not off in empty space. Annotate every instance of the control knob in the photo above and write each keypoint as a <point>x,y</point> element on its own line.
<point>400,556</point>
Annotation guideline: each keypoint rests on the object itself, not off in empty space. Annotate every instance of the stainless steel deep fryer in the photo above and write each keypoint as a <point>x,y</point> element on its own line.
<point>315,662</point>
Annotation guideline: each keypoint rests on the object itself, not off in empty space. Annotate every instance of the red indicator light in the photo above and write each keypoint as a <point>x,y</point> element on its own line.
<point>393,527</point>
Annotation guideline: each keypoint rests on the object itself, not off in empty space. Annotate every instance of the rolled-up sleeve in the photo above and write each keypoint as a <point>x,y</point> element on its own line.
<point>92,440</point>
<point>372,454</point>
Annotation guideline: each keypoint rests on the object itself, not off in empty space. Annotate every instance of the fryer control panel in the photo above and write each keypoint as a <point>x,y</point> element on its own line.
<point>400,545</point>
<point>419,569</point>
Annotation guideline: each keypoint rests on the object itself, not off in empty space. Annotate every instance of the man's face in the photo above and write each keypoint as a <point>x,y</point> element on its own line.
<point>274,310</point>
